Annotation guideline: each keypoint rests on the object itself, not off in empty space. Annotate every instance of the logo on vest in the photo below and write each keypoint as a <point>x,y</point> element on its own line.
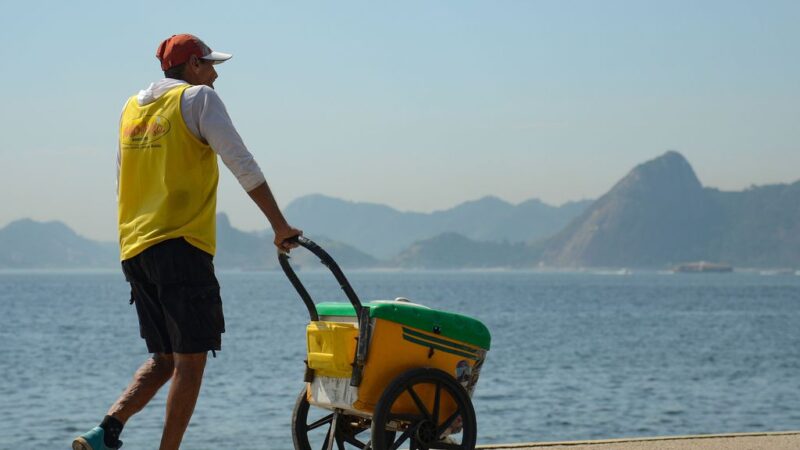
<point>145,130</point>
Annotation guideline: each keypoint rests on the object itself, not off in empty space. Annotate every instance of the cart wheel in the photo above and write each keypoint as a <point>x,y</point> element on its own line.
<point>311,428</point>
<point>442,416</point>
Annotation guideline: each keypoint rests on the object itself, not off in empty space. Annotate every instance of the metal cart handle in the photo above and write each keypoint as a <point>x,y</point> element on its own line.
<point>325,259</point>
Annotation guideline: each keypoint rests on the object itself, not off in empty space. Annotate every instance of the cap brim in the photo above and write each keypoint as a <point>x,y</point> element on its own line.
<point>217,57</point>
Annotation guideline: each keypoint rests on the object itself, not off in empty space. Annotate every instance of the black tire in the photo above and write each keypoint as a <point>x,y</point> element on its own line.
<point>312,431</point>
<point>425,429</point>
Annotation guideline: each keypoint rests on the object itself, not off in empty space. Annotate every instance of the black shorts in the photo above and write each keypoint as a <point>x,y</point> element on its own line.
<point>177,298</point>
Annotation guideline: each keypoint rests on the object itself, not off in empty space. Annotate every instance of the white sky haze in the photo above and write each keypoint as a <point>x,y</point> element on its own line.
<point>417,105</point>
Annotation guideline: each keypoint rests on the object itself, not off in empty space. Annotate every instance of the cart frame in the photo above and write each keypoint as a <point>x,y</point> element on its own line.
<point>425,428</point>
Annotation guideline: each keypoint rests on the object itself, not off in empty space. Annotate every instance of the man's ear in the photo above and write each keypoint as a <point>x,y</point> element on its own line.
<point>194,62</point>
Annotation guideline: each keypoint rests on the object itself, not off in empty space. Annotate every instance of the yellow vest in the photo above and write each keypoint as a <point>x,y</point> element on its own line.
<point>167,180</point>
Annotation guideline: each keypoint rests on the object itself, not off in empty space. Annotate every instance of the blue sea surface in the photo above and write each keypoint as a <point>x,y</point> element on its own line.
<point>574,355</point>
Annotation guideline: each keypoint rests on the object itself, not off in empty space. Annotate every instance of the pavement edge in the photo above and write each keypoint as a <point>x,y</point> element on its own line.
<point>638,439</point>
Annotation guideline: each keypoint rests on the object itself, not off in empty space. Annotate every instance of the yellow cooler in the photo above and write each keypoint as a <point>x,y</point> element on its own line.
<point>403,336</point>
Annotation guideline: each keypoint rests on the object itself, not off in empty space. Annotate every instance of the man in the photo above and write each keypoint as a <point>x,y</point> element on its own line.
<point>169,139</point>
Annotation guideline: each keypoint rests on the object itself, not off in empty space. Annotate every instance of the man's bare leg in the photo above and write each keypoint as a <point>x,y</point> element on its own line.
<point>147,380</point>
<point>182,397</point>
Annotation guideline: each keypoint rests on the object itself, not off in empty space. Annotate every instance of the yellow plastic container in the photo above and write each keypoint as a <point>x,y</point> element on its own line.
<point>331,348</point>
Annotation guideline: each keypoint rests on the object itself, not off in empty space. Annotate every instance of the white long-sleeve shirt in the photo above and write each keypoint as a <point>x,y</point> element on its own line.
<point>207,118</point>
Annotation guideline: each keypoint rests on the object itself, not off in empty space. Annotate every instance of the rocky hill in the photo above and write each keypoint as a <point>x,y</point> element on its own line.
<point>659,215</point>
<point>759,227</point>
<point>452,250</point>
<point>28,244</point>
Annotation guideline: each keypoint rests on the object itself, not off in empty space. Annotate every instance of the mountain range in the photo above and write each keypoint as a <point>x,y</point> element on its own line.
<point>384,232</point>
<point>657,216</point>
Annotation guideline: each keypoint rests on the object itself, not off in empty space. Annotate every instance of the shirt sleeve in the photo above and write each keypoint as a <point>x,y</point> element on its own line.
<point>215,127</point>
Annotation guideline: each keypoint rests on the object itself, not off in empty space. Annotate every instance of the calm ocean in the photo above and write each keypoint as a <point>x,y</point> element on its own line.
<point>574,355</point>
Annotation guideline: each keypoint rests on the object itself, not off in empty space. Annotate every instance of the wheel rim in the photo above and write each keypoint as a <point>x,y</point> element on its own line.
<point>441,415</point>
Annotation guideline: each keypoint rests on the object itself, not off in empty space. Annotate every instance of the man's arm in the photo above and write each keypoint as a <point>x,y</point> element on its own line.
<point>207,117</point>
<point>262,196</point>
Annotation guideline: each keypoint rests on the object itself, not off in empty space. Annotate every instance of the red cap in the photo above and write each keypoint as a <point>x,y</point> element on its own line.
<point>177,49</point>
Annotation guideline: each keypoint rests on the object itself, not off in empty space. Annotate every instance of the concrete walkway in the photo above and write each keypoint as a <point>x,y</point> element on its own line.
<point>789,440</point>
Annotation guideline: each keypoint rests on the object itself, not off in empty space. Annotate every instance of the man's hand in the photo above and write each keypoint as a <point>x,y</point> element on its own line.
<point>283,236</point>
<point>262,196</point>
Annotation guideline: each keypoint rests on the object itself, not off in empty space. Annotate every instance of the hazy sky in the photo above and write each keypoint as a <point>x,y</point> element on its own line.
<point>420,105</point>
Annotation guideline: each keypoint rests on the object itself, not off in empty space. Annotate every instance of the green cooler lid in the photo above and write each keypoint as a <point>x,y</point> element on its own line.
<point>450,325</point>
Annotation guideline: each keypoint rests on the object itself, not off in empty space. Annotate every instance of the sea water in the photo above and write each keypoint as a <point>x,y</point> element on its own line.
<point>574,355</point>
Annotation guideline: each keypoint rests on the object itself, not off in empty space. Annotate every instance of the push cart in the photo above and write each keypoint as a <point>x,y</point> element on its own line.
<point>385,374</point>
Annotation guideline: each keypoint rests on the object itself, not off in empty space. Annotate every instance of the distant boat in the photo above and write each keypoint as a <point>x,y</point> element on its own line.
<point>702,267</point>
